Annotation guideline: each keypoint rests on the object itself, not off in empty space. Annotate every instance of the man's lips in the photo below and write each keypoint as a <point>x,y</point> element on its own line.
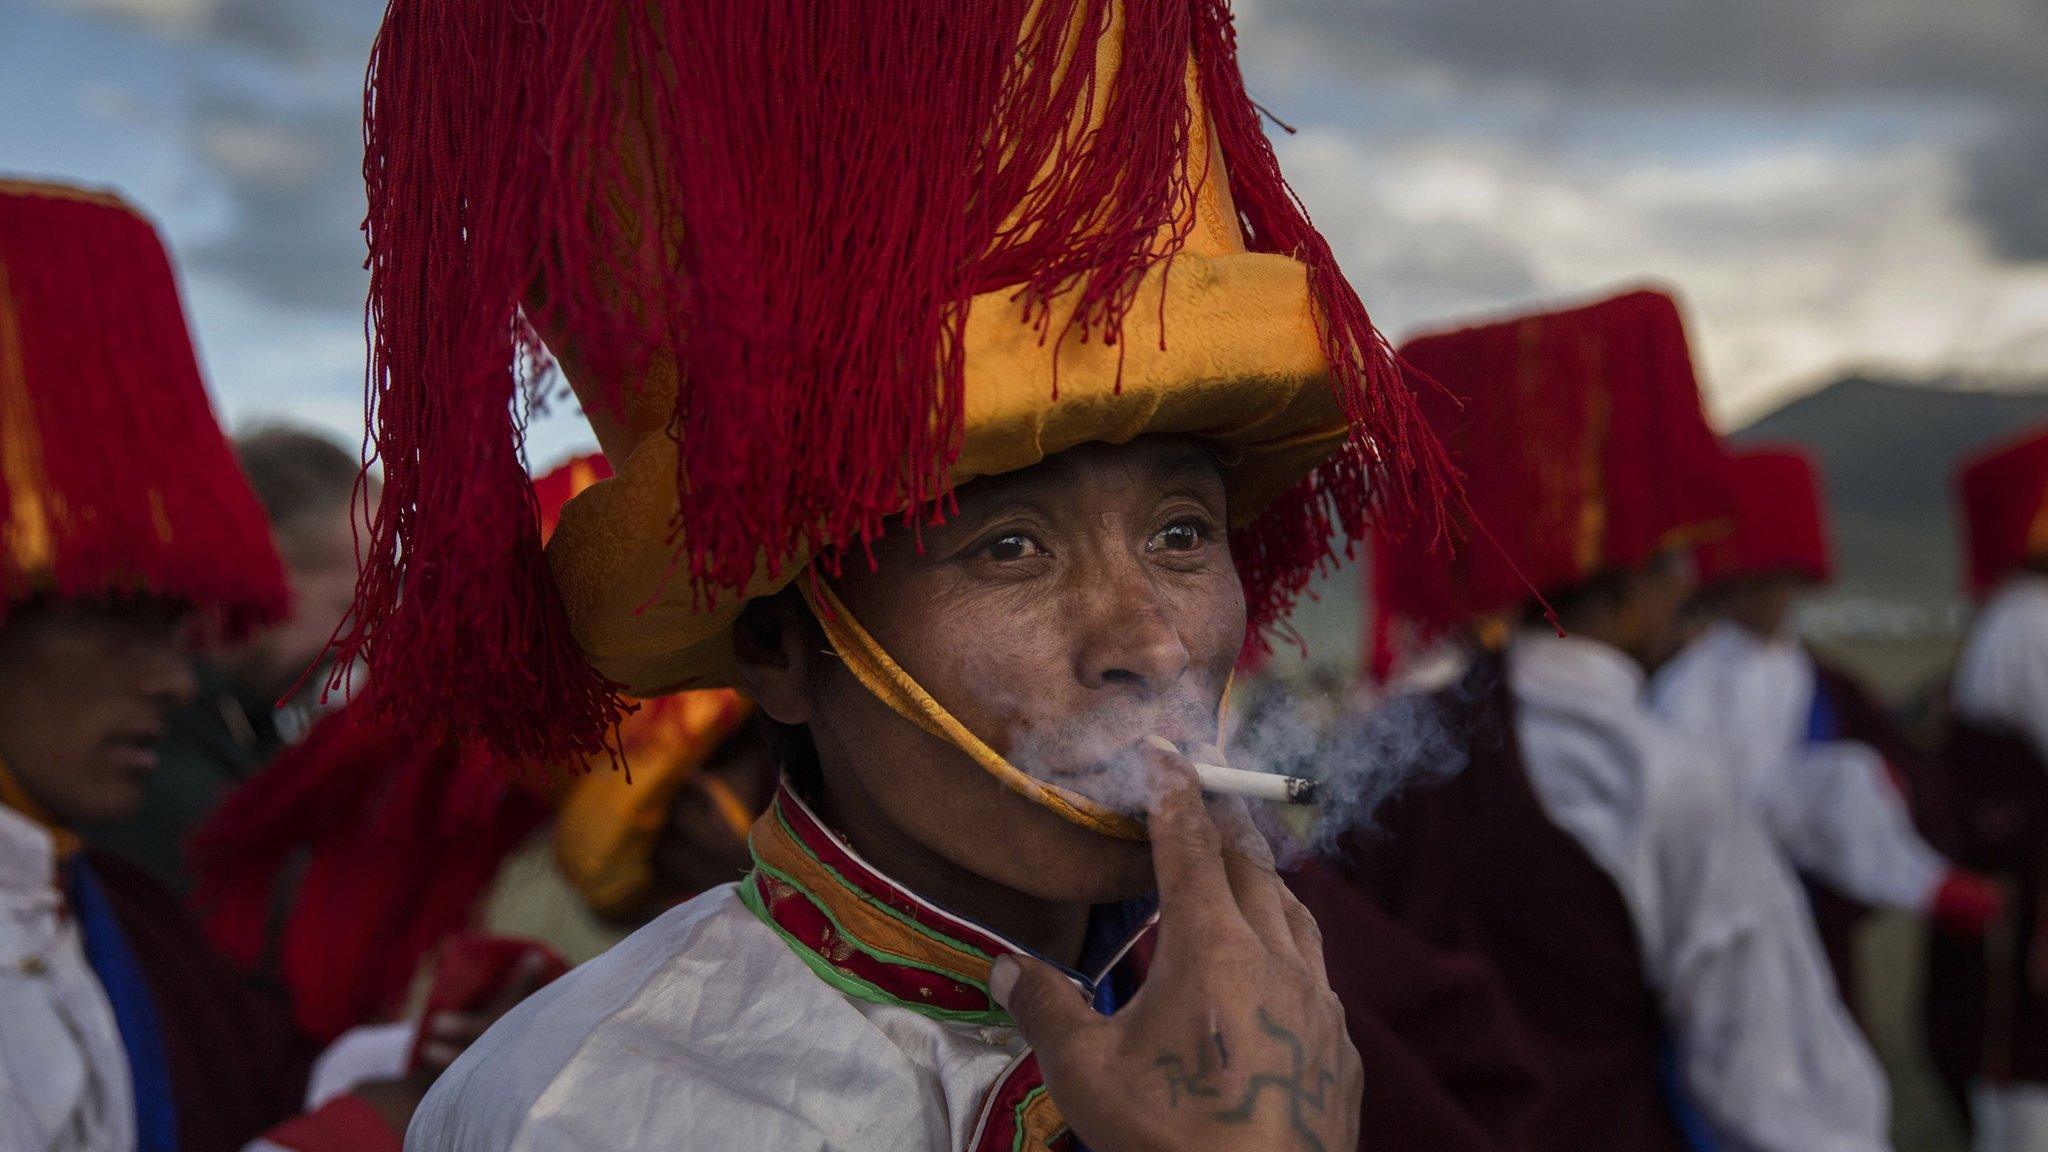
<point>137,751</point>
<point>1125,760</point>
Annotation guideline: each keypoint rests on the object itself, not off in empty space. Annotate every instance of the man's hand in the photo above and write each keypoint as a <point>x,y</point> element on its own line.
<point>1235,1040</point>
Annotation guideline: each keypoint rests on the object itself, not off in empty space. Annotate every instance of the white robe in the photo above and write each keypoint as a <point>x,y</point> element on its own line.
<point>64,1084</point>
<point>1766,1052</point>
<point>2001,680</point>
<point>705,1032</point>
<point>1831,805</point>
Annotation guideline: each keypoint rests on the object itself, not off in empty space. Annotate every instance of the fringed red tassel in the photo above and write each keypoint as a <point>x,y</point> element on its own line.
<point>393,837</point>
<point>1392,465</point>
<point>456,613</point>
<point>114,476</point>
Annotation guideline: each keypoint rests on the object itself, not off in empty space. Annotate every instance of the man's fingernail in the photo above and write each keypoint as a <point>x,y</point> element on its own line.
<point>1161,743</point>
<point>1002,976</point>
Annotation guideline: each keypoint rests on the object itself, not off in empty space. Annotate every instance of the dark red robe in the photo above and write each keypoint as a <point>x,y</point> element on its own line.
<point>1448,1067</point>
<point>1984,1016</point>
<point>1473,865</point>
<point>237,1066</point>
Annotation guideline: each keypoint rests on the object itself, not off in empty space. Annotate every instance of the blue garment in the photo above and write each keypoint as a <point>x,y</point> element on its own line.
<point>149,1068</point>
<point>1822,725</point>
<point>1692,1127</point>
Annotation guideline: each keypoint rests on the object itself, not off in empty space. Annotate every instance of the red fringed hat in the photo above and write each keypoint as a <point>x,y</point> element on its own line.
<point>808,266</point>
<point>114,476</point>
<point>1781,523</point>
<point>2004,493</point>
<point>1583,447</point>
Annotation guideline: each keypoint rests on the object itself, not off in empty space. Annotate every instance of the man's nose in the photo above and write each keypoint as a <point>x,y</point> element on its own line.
<point>167,677</point>
<point>1127,639</point>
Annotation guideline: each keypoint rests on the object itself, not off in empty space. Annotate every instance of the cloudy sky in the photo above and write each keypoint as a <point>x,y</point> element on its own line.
<point>1833,184</point>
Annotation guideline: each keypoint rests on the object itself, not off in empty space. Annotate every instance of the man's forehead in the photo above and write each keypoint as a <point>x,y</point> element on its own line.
<point>1155,461</point>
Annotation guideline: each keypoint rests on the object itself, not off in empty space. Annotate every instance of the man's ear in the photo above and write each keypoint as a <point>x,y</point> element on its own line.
<point>768,641</point>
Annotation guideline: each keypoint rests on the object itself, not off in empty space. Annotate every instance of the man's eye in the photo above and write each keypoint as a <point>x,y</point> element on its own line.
<point>1181,536</point>
<point>1015,546</point>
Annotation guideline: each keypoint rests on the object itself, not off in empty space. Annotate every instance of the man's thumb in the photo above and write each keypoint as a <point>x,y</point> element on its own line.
<point>1046,1006</point>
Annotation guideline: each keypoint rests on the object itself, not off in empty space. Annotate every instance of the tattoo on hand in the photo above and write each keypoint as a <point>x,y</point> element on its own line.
<point>1179,1079</point>
<point>1304,1086</point>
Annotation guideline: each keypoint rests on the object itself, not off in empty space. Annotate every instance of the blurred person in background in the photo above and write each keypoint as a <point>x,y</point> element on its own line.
<point>240,718</point>
<point>1988,1005</point>
<point>1653,941</point>
<point>1822,764</point>
<point>126,527</point>
<point>335,876</point>
<point>127,533</point>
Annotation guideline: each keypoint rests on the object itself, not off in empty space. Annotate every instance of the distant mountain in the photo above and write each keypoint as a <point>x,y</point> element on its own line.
<point>1889,450</point>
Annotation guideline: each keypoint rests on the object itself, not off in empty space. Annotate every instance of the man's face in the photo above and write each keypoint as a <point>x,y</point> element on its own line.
<point>319,553</point>
<point>1658,594</point>
<point>85,688</point>
<point>1763,604</point>
<point>1062,614</point>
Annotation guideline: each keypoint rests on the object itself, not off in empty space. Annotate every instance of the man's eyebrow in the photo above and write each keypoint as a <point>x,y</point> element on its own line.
<point>1177,469</point>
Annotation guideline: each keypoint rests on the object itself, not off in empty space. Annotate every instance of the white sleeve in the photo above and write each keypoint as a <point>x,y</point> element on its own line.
<point>1839,818</point>
<point>1767,1051</point>
<point>2002,677</point>
<point>358,1056</point>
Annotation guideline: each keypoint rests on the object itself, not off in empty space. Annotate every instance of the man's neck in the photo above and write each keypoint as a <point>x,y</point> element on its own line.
<point>1053,930</point>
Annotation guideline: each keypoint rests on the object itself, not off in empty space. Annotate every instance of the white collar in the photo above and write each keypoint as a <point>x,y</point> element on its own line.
<point>28,854</point>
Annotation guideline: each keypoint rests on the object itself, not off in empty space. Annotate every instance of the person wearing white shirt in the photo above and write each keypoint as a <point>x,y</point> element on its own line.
<point>1598,857</point>
<point>1832,802</point>
<point>1996,1036</point>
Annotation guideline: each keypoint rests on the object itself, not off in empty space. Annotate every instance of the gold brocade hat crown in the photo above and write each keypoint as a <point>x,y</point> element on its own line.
<point>808,267</point>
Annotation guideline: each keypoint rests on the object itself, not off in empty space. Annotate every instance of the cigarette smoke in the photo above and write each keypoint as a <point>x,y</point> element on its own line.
<point>1360,745</point>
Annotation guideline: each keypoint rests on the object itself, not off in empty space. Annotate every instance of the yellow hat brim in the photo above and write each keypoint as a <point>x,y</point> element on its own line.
<point>1241,366</point>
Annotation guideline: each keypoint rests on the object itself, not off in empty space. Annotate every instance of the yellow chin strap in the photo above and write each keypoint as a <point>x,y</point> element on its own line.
<point>893,686</point>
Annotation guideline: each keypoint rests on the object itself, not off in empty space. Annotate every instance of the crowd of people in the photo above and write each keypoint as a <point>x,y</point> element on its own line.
<point>839,757</point>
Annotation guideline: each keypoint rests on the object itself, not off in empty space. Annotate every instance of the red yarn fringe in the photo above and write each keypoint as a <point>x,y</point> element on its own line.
<point>390,838</point>
<point>107,439</point>
<point>1391,468</point>
<point>793,200</point>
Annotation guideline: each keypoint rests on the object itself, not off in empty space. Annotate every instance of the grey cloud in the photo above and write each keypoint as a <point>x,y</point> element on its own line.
<point>290,28</point>
<point>1971,78</point>
<point>294,181</point>
<point>278,120</point>
<point>1748,49</point>
<point>2009,189</point>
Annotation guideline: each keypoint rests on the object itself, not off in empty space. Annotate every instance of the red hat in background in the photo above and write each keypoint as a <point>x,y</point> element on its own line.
<point>114,475</point>
<point>2004,493</point>
<point>1780,520</point>
<point>565,482</point>
<point>1584,449</point>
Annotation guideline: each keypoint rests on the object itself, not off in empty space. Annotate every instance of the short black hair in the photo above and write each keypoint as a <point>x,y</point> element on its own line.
<point>297,474</point>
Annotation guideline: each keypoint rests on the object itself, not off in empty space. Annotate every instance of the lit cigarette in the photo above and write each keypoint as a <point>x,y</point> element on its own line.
<point>1218,780</point>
